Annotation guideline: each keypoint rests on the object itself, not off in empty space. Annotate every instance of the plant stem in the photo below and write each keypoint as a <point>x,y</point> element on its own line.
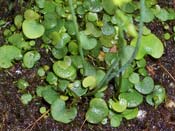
<point>111,75</point>
<point>74,19</point>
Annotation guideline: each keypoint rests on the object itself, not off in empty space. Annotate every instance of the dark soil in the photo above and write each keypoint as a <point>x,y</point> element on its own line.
<point>14,116</point>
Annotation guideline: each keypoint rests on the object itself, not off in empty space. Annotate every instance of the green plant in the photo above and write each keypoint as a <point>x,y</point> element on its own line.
<point>88,54</point>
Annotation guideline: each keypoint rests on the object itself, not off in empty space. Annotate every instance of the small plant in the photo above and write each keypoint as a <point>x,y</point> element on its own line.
<point>88,54</point>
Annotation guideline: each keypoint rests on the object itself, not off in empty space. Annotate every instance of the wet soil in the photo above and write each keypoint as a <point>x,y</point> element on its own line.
<point>14,116</point>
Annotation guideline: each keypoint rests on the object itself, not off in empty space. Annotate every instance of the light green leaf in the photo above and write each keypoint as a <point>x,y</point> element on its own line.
<point>30,58</point>
<point>32,29</point>
<point>8,54</point>
<point>133,98</point>
<point>64,70</point>
<point>151,45</point>
<point>97,111</point>
<point>130,113</point>
<point>87,42</point>
<point>146,86</point>
<point>60,113</point>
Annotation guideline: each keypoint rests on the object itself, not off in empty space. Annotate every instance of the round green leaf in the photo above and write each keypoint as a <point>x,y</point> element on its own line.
<point>86,42</point>
<point>22,84</point>
<point>133,98</point>
<point>109,6</point>
<point>93,5</point>
<point>146,86</point>
<point>30,14</point>
<point>119,106</point>
<point>59,53</point>
<point>50,20</point>
<point>32,29</point>
<point>89,81</point>
<point>77,88</point>
<point>157,97</point>
<point>51,78</point>
<point>26,98</point>
<point>30,58</point>
<point>63,70</point>
<point>97,111</point>
<point>8,54</point>
<point>115,120</point>
<point>130,113</point>
<point>108,29</point>
<point>18,21</point>
<point>60,113</point>
<point>151,45</point>
<point>49,95</point>
<point>134,78</point>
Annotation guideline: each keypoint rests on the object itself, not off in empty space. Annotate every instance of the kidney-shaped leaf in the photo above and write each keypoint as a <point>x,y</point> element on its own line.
<point>30,58</point>
<point>7,54</point>
<point>146,86</point>
<point>97,111</point>
<point>151,45</point>
<point>32,29</point>
<point>61,113</point>
<point>157,97</point>
<point>119,106</point>
<point>133,98</point>
<point>86,42</point>
<point>63,70</point>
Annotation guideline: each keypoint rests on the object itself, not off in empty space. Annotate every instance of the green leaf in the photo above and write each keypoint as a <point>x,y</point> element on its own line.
<point>59,53</point>
<point>51,78</point>
<point>59,39</point>
<point>157,96</point>
<point>151,45</point>
<point>30,14</point>
<point>73,48</point>
<point>8,54</point>
<point>97,111</point>
<point>26,98</point>
<point>50,20</point>
<point>93,5</point>
<point>148,15</point>
<point>32,29</point>
<point>115,119</point>
<point>87,42</point>
<point>18,21</point>
<point>108,29</point>
<point>49,95</point>
<point>30,58</point>
<point>77,88</point>
<point>162,14</point>
<point>141,63</point>
<point>130,113</point>
<point>64,70</point>
<point>133,98</point>
<point>109,6</point>
<point>89,81</point>
<point>77,61</point>
<point>60,113</point>
<point>40,3</point>
<point>106,40</point>
<point>134,78</point>
<point>92,30</point>
<point>126,85</point>
<point>121,2</point>
<point>92,16</point>
<point>127,52</point>
<point>22,84</point>
<point>119,106</point>
<point>146,86</point>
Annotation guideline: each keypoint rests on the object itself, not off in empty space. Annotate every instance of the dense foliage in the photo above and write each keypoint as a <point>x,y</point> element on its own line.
<point>92,42</point>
